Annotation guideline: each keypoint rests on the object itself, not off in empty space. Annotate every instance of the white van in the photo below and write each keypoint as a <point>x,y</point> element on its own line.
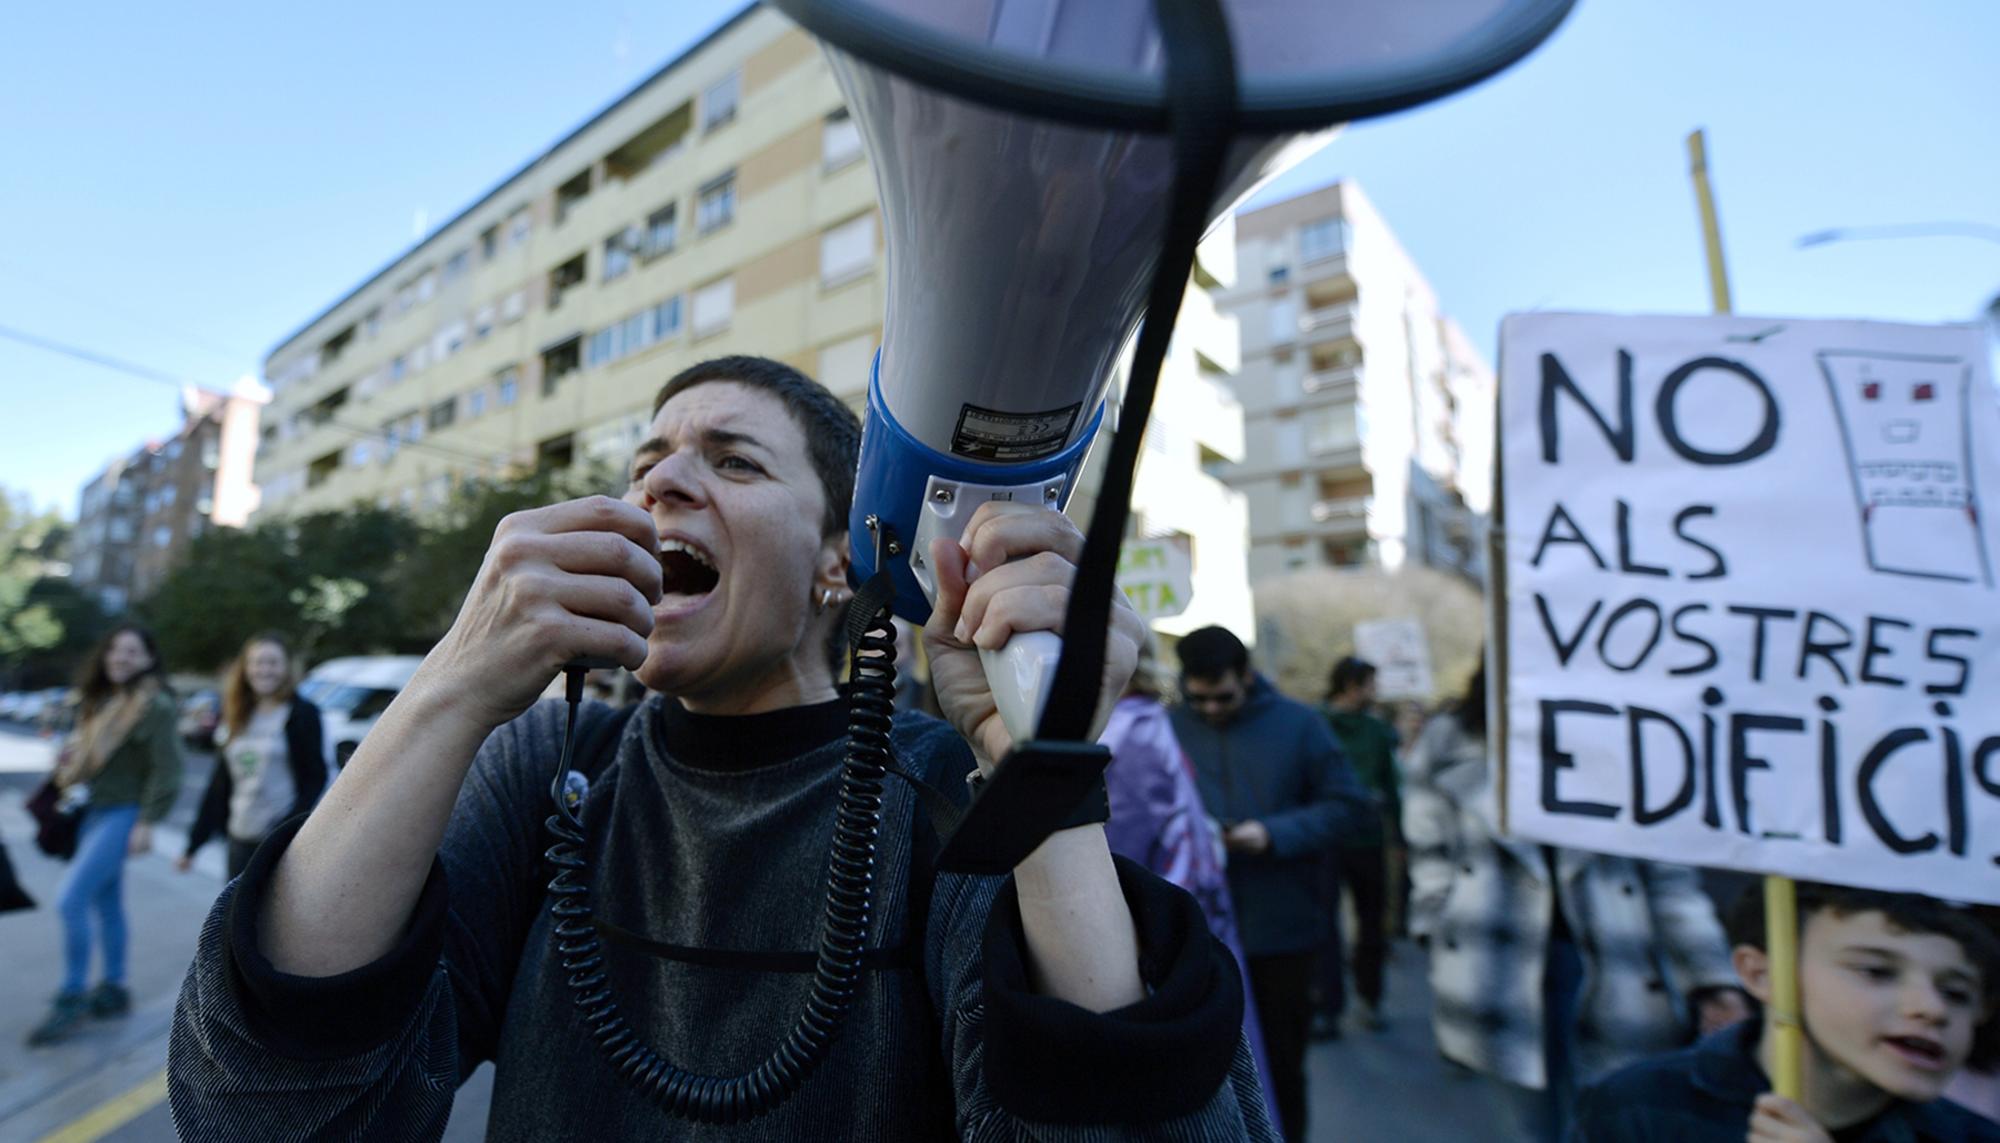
<point>351,694</point>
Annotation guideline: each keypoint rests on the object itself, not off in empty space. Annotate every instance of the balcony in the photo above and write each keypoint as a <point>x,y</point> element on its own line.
<point>1337,383</point>
<point>1328,324</point>
<point>1342,510</point>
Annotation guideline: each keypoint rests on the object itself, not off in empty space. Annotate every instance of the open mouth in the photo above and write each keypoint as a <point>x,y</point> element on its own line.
<point>1918,1051</point>
<point>686,569</point>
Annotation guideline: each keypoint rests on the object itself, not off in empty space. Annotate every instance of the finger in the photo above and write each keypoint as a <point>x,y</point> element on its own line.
<point>948,564</point>
<point>595,514</point>
<point>602,597</point>
<point>1044,570</point>
<point>601,554</point>
<point>1034,607</point>
<point>575,637</point>
<point>1000,531</point>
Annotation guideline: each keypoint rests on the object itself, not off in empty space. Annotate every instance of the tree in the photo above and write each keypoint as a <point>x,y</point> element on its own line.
<point>44,622</point>
<point>1305,623</point>
<point>326,579</point>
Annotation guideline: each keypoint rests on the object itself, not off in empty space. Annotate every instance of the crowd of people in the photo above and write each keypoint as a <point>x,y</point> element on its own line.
<point>1259,859</point>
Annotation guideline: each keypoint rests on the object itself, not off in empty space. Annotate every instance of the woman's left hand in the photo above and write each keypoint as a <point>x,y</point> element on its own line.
<point>142,840</point>
<point>1010,572</point>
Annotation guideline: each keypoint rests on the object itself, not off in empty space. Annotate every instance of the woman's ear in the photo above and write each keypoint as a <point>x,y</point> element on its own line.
<point>1753,968</point>
<point>836,559</point>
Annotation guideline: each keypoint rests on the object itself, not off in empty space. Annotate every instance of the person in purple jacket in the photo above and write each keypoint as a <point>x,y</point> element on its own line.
<point>1157,820</point>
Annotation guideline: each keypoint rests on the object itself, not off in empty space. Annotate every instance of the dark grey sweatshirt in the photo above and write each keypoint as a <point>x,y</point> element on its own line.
<point>719,845</point>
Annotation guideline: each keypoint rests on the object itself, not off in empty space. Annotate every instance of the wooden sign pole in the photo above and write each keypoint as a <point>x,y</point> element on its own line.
<point>1781,923</point>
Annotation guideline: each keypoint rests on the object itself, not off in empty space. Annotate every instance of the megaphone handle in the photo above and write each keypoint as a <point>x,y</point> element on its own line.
<point>1019,675</point>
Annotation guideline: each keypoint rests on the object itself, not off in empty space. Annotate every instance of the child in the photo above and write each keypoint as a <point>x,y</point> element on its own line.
<point>1898,992</point>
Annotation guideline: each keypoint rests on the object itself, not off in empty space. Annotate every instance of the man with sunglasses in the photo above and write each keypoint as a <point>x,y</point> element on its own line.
<point>1273,775</point>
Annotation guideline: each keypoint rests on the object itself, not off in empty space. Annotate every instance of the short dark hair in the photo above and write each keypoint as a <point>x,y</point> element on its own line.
<point>1349,673</point>
<point>832,431</point>
<point>1910,912</point>
<point>1211,652</point>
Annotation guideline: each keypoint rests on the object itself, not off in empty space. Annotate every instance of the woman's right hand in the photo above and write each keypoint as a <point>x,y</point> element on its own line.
<point>571,580</point>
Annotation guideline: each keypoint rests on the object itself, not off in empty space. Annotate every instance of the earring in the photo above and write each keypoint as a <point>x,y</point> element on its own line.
<point>825,598</point>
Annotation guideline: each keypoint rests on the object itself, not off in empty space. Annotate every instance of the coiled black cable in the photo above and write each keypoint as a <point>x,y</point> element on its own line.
<point>843,933</point>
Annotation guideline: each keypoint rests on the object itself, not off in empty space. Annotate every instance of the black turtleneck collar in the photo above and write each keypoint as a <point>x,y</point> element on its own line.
<point>748,741</point>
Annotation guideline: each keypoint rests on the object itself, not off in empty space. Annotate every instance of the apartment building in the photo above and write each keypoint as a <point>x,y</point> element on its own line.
<point>1367,411</point>
<point>721,206</point>
<point>137,516</point>
<point>1194,434</point>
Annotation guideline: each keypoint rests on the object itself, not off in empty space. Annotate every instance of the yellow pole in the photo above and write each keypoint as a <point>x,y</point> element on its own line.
<point>1781,915</point>
<point>1711,229</point>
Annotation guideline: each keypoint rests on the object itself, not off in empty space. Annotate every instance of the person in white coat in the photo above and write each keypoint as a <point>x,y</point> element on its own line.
<point>1548,966</point>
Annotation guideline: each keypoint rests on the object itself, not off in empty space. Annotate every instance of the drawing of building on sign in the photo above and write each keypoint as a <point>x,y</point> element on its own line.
<point>1908,433</point>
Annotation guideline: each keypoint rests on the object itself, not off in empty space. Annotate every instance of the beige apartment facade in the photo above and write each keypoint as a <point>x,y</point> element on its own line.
<point>720,207</point>
<point>1367,411</point>
<point>723,206</point>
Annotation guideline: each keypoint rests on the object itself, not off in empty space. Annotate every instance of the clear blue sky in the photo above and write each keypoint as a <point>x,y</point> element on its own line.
<point>182,185</point>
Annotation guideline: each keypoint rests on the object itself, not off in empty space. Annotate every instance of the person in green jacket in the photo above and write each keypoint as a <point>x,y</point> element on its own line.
<point>1359,863</point>
<point>123,763</point>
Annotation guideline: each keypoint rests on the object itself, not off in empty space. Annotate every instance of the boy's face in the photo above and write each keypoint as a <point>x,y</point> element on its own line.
<point>1893,1008</point>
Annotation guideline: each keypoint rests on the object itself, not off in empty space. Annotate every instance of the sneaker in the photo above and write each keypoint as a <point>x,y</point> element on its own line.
<point>67,1012</point>
<point>110,1000</point>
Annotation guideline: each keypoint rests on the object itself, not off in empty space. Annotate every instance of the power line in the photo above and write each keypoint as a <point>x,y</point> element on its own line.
<point>156,376</point>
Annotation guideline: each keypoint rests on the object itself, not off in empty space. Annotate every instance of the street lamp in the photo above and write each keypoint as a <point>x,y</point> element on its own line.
<point>1990,233</point>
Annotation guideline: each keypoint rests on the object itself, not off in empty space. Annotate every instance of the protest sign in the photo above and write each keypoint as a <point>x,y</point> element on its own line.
<point>1747,610</point>
<point>1400,654</point>
<point>1157,576</point>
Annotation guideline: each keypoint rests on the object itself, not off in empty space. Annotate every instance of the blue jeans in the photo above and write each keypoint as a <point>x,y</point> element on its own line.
<point>96,880</point>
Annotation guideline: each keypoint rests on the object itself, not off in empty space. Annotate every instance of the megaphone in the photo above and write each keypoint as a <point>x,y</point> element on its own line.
<point>1024,165</point>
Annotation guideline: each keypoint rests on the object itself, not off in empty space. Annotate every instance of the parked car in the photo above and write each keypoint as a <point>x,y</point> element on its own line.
<point>351,694</point>
<point>201,714</point>
<point>10,702</point>
<point>32,704</point>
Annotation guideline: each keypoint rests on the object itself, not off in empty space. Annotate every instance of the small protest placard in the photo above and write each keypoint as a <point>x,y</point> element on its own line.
<point>1400,654</point>
<point>1157,576</point>
<point>1747,606</point>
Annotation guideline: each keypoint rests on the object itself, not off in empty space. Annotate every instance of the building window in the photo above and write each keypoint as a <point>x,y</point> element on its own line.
<point>457,266</point>
<point>662,231</point>
<point>713,307</point>
<point>520,225</point>
<point>427,286</point>
<point>372,324</point>
<point>717,204</point>
<point>443,414</point>
<point>406,296</point>
<point>563,277</point>
<point>847,251</point>
<point>839,141</point>
<point>513,306</point>
<point>482,322</point>
<point>559,361</point>
<point>449,340</point>
<point>489,243</point>
<point>667,317</point>
<point>718,103</point>
<point>420,358</point>
<point>508,387</point>
<point>398,369</point>
<point>1280,275</point>
<point>618,251</point>
<point>571,193</point>
<point>475,402</point>
<point>211,454</point>
<point>602,349</point>
<point>357,454</point>
<point>413,428</point>
<point>1322,239</point>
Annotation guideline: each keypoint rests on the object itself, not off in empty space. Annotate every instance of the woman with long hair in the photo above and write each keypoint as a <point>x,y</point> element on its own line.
<point>269,754</point>
<point>124,763</point>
